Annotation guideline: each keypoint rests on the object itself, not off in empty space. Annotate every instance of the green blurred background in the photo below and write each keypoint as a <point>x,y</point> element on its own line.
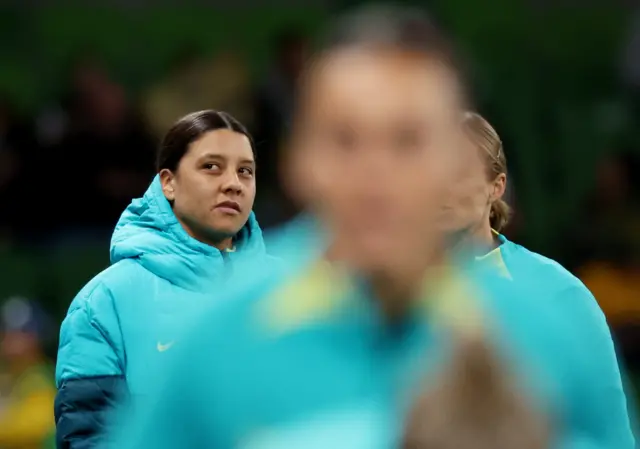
<point>549,77</point>
<point>87,91</point>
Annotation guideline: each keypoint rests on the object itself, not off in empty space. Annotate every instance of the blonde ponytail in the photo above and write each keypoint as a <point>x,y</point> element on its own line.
<point>499,215</point>
<point>489,142</point>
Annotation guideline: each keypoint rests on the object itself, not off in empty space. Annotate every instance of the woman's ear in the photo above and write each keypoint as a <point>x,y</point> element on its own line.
<point>167,180</point>
<point>499,187</point>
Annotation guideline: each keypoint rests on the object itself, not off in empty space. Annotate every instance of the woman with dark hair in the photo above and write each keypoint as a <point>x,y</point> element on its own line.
<point>172,250</point>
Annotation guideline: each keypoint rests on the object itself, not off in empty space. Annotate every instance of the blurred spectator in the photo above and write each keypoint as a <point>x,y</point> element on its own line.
<point>610,211</point>
<point>274,106</point>
<point>614,279</point>
<point>276,94</point>
<point>197,83</point>
<point>610,247</point>
<point>16,145</point>
<point>105,156</point>
<point>631,56</point>
<point>27,390</point>
<point>274,102</point>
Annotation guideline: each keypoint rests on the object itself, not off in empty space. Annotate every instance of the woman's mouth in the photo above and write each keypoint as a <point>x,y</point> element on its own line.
<point>229,207</point>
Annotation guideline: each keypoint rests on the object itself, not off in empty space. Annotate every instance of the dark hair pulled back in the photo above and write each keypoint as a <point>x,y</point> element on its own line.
<point>190,128</point>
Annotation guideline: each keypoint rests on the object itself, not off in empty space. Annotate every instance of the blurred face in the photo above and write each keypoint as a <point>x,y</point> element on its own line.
<point>374,151</point>
<point>468,200</point>
<point>15,345</point>
<point>103,99</point>
<point>214,187</point>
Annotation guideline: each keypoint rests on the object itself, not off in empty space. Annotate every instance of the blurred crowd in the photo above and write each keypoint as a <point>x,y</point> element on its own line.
<point>95,145</point>
<point>606,250</point>
<point>68,171</point>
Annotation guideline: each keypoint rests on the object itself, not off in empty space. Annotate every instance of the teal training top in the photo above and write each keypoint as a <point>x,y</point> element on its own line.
<point>307,361</point>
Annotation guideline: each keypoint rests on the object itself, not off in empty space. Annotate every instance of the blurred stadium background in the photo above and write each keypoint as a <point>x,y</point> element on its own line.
<point>85,92</point>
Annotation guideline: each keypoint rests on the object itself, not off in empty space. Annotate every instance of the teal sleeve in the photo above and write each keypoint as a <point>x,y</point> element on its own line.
<point>599,405</point>
<point>89,369</point>
<point>172,413</point>
<point>90,342</point>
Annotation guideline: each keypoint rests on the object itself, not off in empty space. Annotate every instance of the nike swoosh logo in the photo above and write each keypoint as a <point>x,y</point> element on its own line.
<point>163,347</point>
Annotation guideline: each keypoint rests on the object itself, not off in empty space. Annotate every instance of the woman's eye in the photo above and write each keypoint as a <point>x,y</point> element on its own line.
<point>211,166</point>
<point>339,138</point>
<point>407,140</point>
<point>345,139</point>
<point>246,172</point>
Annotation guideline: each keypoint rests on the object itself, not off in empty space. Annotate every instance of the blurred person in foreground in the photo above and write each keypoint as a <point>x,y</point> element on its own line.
<point>175,249</point>
<point>26,400</point>
<point>366,348</point>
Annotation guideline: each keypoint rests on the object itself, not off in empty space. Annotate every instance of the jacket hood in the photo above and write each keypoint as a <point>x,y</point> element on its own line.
<point>149,232</point>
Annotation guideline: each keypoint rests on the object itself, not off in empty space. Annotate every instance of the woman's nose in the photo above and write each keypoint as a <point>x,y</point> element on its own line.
<point>231,183</point>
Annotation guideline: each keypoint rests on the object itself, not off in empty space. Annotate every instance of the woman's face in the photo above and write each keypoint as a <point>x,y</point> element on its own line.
<point>468,200</point>
<point>374,150</point>
<point>214,186</point>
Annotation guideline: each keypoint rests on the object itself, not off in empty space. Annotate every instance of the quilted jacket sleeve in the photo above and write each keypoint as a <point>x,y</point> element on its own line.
<point>90,370</point>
